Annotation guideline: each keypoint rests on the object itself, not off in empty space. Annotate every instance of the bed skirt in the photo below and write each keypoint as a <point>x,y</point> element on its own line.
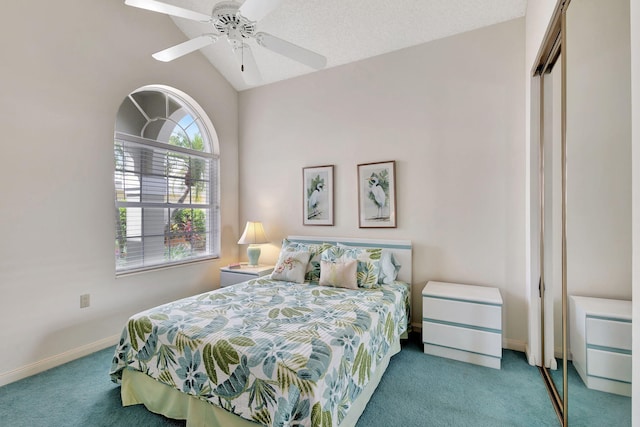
<point>138,388</point>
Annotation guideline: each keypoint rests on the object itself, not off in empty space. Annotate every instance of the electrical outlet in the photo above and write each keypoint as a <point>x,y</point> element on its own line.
<point>85,300</point>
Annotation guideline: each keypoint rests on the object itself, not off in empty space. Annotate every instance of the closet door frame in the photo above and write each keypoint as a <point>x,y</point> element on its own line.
<point>550,52</point>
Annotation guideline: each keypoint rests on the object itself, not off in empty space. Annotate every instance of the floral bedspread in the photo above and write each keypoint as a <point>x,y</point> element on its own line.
<point>273,352</point>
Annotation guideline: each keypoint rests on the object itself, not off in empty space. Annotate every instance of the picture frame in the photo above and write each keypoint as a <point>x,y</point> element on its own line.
<point>377,194</point>
<point>317,195</point>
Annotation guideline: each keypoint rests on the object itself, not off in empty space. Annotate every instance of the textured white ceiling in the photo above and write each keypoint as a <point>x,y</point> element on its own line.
<point>345,30</point>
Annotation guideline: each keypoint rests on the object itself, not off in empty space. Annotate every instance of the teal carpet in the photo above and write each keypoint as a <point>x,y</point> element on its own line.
<point>417,390</point>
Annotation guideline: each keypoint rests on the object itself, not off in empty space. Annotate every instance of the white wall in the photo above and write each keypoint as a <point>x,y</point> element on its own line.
<point>450,112</point>
<point>634,14</point>
<point>66,67</point>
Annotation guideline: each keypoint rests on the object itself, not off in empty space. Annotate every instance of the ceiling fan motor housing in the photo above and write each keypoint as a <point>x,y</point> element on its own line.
<point>229,22</point>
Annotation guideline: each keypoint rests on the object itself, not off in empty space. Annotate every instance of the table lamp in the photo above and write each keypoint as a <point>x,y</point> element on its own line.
<point>253,236</point>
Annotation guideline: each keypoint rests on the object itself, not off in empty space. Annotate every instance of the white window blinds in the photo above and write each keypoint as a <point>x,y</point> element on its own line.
<point>166,202</point>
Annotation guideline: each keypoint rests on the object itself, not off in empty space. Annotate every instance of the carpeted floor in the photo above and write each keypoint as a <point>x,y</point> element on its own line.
<point>417,390</point>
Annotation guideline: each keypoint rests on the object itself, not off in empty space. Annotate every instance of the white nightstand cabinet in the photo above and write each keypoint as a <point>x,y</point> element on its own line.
<point>600,334</point>
<point>231,276</point>
<point>462,322</point>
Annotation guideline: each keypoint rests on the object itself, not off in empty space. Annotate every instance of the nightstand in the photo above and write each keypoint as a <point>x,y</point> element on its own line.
<point>462,322</point>
<point>231,276</point>
<point>601,343</point>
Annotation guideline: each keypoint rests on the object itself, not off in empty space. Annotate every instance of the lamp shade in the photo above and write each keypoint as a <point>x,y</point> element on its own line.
<point>253,234</point>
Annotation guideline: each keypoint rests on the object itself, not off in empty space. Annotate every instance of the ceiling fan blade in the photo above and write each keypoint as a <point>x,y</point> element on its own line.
<point>290,50</point>
<point>157,6</point>
<point>249,68</point>
<point>254,10</point>
<point>182,49</point>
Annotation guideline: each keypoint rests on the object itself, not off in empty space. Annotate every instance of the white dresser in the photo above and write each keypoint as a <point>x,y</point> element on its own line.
<point>462,322</point>
<point>600,337</point>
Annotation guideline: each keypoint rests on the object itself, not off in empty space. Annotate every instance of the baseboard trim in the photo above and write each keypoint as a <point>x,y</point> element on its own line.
<point>56,360</point>
<point>515,345</point>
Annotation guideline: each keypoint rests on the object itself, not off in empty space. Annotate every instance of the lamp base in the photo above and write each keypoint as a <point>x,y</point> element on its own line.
<point>253,253</point>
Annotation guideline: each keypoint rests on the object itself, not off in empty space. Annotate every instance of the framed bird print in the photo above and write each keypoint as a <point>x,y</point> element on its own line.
<point>377,194</point>
<point>317,205</point>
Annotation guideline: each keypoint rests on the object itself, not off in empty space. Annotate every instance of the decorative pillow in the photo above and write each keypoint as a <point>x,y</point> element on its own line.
<point>368,262</point>
<point>389,268</point>
<point>291,266</point>
<point>315,249</point>
<point>339,274</point>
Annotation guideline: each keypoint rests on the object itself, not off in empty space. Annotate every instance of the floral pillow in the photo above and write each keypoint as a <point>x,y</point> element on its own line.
<point>291,266</point>
<point>339,274</point>
<point>368,268</point>
<point>315,249</point>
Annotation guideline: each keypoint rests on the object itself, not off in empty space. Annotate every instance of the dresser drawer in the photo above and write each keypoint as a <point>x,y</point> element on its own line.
<point>609,365</point>
<point>466,313</point>
<point>473,340</point>
<point>227,278</point>
<point>609,333</point>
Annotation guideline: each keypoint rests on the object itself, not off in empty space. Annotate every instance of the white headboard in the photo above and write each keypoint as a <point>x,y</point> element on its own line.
<point>401,249</point>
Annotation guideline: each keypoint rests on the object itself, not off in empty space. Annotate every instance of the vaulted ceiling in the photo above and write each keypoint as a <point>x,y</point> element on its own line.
<point>343,31</point>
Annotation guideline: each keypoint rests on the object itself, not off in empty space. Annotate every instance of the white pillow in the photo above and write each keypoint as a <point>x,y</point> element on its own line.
<point>339,274</point>
<point>291,266</point>
<point>389,268</point>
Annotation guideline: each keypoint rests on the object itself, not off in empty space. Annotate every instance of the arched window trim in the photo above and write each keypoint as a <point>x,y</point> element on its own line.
<point>185,99</point>
<point>210,152</point>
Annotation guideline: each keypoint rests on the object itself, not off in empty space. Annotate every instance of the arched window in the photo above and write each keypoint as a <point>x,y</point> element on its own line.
<point>166,181</point>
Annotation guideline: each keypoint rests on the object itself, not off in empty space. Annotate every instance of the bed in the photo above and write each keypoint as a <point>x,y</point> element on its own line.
<point>273,351</point>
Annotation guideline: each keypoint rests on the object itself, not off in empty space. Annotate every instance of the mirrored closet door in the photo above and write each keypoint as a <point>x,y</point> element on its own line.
<point>551,186</point>
<point>585,200</point>
<point>551,153</point>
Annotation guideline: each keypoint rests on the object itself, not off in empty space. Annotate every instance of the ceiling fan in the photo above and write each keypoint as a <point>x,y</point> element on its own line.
<point>237,23</point>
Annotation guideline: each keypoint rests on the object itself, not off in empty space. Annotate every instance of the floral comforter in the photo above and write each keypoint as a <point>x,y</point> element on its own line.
<point>273,352</point>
